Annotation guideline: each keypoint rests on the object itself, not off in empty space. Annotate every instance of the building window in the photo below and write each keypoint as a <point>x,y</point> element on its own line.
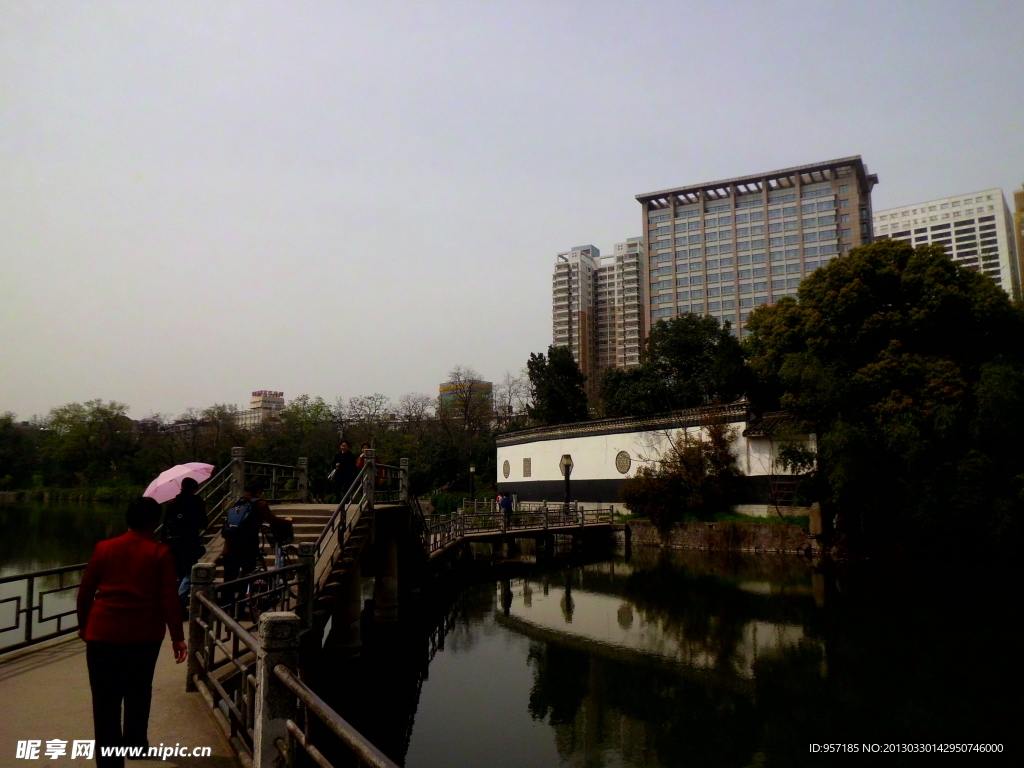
<point>844,203</point>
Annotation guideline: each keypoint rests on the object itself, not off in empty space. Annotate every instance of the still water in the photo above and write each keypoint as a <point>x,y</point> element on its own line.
<point>34,535</point>
<point>655,658</point>
<point>687,659</point>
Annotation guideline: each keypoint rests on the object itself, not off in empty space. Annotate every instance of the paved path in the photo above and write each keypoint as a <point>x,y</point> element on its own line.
<point>44,694</point>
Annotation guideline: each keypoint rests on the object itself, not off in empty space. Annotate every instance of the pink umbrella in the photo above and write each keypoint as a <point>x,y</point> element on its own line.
<point>168,484</point>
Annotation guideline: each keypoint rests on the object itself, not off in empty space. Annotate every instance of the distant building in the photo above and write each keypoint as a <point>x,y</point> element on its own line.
<point>598,308</point>
<point>480,391</point>
<point>264,406</point>
<point>724,247</point>
<point>976,230</point>
<point>1018,228</point>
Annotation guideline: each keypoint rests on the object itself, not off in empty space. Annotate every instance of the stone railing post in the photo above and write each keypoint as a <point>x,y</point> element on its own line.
<point>237,487</point>
<point>369,477</point>
<point>544,509</point>
<point>304,599</point>
<point>403,488</point>
<point>202,583</point>
<point>275,704</point>
<point>303,480</point>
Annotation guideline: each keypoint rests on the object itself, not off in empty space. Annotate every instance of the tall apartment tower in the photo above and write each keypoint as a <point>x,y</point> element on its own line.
<point>976,230</point>
<point>598,308</point>
<point>724,247</point>
<point>1018,228</point>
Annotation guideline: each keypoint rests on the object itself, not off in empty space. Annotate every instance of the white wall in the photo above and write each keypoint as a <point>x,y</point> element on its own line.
<point>594,456</point>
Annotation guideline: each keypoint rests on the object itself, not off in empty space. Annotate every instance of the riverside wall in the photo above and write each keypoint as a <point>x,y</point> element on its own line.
<point>743,537</point>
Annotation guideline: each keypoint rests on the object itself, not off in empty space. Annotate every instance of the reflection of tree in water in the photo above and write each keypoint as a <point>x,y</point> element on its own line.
<point>607,711</point>
<point>707,613</point>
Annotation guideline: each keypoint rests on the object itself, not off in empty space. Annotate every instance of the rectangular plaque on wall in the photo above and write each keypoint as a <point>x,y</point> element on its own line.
<point>527,468</point>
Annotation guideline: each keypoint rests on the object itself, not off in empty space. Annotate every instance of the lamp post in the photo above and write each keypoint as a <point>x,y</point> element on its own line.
<point>565,465</point>
<point>472,483</point>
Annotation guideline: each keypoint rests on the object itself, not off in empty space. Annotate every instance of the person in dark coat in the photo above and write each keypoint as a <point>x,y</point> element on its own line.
<point>184,524</point>
<point>127,602</point>
<point>243,547</point>
<point>344,466</point>
<point>506,507</point>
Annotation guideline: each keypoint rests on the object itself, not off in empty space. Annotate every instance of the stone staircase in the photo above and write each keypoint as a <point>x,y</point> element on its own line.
<point>308,520</point>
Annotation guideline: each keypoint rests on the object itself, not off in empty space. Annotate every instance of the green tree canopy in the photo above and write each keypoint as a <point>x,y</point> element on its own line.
<point>557,387</point>
<point>913,369</point>
<point>689,360</point>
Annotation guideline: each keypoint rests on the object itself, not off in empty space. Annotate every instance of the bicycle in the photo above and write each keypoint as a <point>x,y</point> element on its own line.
<point>271,592</point>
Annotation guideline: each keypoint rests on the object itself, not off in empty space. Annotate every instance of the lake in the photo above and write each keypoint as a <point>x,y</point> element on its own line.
<point>686,659</point>
<point>681,658</point>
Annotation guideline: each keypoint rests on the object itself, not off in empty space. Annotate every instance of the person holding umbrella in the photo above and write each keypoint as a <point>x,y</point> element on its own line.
<point>184,524</point>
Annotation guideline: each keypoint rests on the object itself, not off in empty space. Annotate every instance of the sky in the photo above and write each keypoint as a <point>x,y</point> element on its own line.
<point>201,199</point>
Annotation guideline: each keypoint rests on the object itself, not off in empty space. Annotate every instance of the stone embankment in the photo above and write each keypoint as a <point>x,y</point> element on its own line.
<point>743,537</point>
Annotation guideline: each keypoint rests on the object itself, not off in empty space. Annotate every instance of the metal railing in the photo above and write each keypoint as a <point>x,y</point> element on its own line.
<point>27,593</point>
<point>443,531</point>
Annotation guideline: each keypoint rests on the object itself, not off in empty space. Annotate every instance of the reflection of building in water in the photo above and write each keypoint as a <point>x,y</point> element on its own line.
<point>625,683</point>
<point>605,623</point>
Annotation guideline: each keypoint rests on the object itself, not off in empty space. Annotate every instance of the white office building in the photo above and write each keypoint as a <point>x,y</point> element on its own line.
<point>976,230</point>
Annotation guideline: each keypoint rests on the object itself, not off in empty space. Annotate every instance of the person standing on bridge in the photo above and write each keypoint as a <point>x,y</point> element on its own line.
<point>127,597</point>
<point>184,524</point>
<point>344,468</point>
<point>242,537</point>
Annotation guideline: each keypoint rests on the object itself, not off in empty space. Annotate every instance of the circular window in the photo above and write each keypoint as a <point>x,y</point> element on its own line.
<point>623,462</point>
<point>506,469</point>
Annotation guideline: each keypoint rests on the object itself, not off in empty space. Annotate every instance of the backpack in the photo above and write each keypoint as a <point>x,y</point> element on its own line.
<point>238,518</point>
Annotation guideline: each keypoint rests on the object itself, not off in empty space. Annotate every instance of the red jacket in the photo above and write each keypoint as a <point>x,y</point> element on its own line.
<point>129,592</point>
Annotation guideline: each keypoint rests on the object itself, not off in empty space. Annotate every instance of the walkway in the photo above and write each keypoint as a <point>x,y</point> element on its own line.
<point>44,694</point>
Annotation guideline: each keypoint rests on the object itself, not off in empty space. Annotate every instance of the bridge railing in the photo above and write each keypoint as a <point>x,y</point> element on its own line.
<point>374,483</point>
<point>27,593</point>
<point>443,531</point>
<point>312,706</point>
<point>228,484</point>
<point>250,679</point>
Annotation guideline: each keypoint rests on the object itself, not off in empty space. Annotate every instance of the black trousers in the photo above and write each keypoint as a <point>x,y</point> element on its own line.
<point>120,672</point>
<point>238,564</point>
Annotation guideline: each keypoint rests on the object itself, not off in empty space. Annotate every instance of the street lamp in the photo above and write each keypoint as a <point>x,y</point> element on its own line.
<point>565,465</point>
<point>472,484</point>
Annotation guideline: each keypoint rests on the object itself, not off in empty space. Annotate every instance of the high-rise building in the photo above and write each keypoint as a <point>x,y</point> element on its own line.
<point>976,230</point>
<point>725,247</point>
<point>1018,228</point>
<point>598,308</point>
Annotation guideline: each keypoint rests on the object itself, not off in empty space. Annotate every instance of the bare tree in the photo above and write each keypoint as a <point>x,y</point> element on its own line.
<point>415,411</point>
<point>367,413</point>
<point>511,398</point>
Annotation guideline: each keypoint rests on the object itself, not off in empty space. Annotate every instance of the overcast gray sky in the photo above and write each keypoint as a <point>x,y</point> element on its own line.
<point>202,199</point>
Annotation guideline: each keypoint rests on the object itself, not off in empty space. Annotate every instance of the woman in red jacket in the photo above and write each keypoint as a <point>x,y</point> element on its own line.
<point>128,596</point>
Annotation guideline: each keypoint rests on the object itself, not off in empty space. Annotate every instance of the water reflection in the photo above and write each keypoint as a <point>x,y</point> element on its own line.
<point>37,535</point>
<point>692,658</point>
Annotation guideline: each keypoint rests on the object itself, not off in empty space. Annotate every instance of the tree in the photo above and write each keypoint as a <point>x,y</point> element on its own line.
<point>911,368</point>
<point>556,387</point>
<point>18,452</point>
<point>693,479</point>
<point>689,360</point>
<point>511,400</point>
